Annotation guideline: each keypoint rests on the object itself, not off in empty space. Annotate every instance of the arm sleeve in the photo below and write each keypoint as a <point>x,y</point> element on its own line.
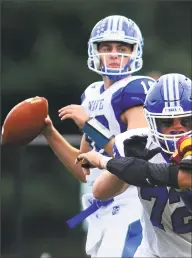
<point>142,173</point>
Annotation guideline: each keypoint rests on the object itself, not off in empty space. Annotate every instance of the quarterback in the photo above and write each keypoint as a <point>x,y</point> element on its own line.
<point>108,108</point>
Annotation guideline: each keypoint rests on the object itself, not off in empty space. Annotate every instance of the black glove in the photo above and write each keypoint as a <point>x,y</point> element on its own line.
<point>135,147</point>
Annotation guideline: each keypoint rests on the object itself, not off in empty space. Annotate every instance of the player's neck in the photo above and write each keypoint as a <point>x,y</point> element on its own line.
<point>107,83</point>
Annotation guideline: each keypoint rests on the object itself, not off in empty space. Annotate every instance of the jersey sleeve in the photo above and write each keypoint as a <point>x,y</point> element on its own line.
<point>133,94</point>
<point>118,147</point>
<point>116,153</point>
<point>89,91</point>
<point>83,96</point>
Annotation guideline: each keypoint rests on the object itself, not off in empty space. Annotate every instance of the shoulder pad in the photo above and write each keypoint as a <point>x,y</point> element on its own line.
<point>135,91</point>
<point>94,85</point>
<point>120,138</point>
<point>89,90</point>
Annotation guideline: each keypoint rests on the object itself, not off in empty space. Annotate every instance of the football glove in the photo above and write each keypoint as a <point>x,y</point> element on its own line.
<point>135,147</point>
<point>184,149</point>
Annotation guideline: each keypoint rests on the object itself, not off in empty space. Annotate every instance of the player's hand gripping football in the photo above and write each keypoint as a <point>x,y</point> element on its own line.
<point>48,128</point>
<point>184,149</point>
<point>75,112</point>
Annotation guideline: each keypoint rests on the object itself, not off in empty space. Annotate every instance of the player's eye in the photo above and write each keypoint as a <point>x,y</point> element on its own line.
<point>186,122</point>
<point>105,49</point>
<point>122,49</point>
<point>167,122</point>
<point>164,122</point>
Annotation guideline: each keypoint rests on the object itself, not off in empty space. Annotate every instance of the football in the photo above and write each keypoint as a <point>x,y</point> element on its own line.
<point>24,122</point>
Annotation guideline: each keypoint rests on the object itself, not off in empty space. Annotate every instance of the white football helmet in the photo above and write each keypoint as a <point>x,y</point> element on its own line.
<point>170,97</point>
<point>116,28</point>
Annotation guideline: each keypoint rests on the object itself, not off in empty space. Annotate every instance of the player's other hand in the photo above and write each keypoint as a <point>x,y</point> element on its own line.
<point>184,146</point>
<point>75,112</point>
<point>89,160</point>
<point>184,149</point>
<point>48,128</point>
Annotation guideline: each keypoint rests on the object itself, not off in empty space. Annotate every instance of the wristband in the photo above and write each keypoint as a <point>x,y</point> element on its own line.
<point>97,132</point>
<point>103,162</point>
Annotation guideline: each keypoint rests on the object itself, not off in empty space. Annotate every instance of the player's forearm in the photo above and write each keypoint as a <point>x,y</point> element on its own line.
<point>184,179</point>
<point>65,153</point>
<point>142,173</point>
<point>109,147</point>
<point>185,172</point>
<point>107,186</point>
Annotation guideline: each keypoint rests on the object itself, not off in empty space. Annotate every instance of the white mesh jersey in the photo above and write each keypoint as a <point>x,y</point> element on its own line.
<point>166,222</point>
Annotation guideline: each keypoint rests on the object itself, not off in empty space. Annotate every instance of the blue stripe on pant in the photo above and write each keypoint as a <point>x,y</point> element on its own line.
<point>133,239</point>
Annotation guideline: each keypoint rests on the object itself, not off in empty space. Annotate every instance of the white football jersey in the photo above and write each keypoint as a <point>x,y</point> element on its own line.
<point>166,222</point>
<point>107,105</point>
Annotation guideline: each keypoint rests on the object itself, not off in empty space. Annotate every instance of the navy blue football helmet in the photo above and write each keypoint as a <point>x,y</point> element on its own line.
<point>116,28</point>
<point>169,97</point>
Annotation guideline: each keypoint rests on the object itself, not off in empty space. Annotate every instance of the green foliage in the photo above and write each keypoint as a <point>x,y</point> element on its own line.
<point>44,49</point>
<point>44,43</point>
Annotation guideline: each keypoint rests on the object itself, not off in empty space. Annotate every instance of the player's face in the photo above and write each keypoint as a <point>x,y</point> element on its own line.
<point>175,126</point>
<point>115,55</point>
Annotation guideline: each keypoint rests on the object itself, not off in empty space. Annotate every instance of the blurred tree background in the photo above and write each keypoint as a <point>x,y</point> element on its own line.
<point>44,53</point>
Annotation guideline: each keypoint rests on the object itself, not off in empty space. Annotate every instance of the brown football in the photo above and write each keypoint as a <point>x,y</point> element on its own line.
<point>24,122</point>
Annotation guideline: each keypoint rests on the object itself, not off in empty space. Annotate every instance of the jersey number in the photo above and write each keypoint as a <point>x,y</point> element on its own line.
<point>180,218</point>
<point>147,86</point>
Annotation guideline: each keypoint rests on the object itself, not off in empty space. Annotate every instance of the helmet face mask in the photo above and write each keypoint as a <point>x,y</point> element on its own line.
<point>169,98</point>
<point>167,142</point>
<point>115,29</point>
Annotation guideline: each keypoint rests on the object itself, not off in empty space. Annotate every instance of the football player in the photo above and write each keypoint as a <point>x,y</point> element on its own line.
<point>109,107</point>
<point>164,187</point>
